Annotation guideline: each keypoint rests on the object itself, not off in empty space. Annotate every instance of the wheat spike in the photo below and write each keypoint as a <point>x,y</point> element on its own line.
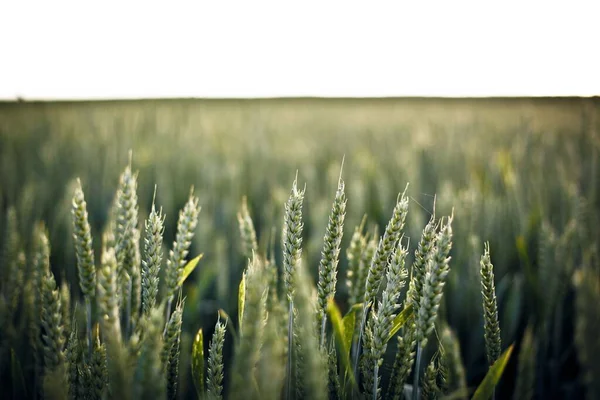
<point>490,308</point>
<point>153,255</point>
<point>330,257</point>
<point>214,374</point>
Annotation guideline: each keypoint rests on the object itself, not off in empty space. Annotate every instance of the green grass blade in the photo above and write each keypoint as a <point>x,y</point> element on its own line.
<point>400,320</point>
<point>189,268</point>
<point>486,388</point>
<point>198,363</point>
<point>349,322</point>
<point>338,328</point>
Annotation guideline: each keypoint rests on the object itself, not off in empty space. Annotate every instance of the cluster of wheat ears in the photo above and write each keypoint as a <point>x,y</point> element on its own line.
<point>290,339</point>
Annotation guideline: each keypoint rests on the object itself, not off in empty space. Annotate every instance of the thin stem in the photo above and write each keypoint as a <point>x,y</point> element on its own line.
<point>288,380</point>
<point>169,302</point>
<point>415,393</point>
<point>376,378</point>
<point>323,326</point>
<point>88,312</point>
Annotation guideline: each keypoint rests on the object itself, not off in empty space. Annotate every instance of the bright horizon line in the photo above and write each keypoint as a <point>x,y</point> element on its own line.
<point>292,97</point>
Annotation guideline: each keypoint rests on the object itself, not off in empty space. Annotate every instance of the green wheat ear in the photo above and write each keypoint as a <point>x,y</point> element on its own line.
<point>248,347</point>
<point>127,246</point>
<point>153,256</point>
<point>403,362</point>
<point>457,380</point>
<point>84,251</point>
<point>186,226</point>
<point>382,320</point>
<point>41,267</point>
<point>434,280</point>
<point>74,357</point>
<point>292,253</point>
<point>358,244</point>
<point>98,368</point>
<point>247,232</point>
<point>425,250</point>
<point>292,238</point>
<point>108,297</point>
<point>53,336</point>
<point>171,349</point>
<point>214,374</point>
<point>378,265</point>
<point>385,248</point>
<point>334,387</point>
<point>490,308</point>
<point>430,389</point>
<point>330,257</point>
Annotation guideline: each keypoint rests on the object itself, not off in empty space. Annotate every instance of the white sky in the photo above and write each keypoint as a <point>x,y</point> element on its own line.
<point>131,49</point>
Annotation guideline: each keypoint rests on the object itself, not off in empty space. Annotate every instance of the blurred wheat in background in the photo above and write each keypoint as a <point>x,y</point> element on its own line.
<point>480,278</point>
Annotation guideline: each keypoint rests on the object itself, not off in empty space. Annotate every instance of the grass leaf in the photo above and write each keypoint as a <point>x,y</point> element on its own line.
<point>349,322</point>
<point>400,320</point>
<point>486,388</point>
<point>189,268</point>
<point>338,328</point>
<point>198,363</point>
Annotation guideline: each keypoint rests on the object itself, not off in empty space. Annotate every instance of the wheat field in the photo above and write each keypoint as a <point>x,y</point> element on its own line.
<point>300,248</point>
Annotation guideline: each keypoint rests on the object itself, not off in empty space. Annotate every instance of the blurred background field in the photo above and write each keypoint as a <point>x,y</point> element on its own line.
<point>510,169</point>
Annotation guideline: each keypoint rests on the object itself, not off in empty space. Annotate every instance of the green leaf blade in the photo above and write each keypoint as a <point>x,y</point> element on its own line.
<point>341,337</point>
<point>198,363</point>
<point>189,268</point>
<point>400,320</point>
<point>487,386</point>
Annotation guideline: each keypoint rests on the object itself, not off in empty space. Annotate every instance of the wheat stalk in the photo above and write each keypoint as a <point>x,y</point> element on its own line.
<point>247,232</point>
